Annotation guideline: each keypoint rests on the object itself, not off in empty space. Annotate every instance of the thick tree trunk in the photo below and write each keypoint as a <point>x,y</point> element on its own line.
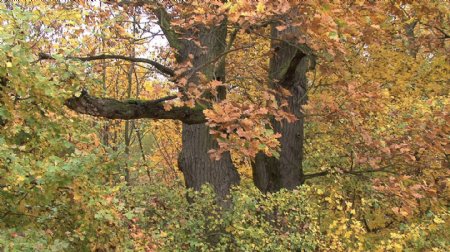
<point>194,161</point>
<point>197,166</point>
<point>288,67</point>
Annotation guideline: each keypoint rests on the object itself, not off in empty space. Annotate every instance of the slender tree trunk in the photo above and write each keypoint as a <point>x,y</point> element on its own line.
<point>3,83</point>
<point>105,129</point>
<point>128,131</point>
<point>288,67</point>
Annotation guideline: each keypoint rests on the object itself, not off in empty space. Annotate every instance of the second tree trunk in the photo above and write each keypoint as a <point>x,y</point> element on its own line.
<point>288,67</point>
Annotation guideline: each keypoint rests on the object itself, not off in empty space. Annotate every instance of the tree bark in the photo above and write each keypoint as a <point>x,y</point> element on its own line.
<point>288,66</point>
<point>198,168</point>
<point>3,83</point>
<point>132,109</point>
<point>194,161</point>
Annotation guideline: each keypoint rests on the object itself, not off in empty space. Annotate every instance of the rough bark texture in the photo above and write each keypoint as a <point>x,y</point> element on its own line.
<point>194,160</point>
<point>132,109</point>
<point>197,166</point>
<point>288,67</point>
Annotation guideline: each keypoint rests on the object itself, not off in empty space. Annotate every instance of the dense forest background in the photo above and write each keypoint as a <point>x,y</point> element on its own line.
<point>262,125</point>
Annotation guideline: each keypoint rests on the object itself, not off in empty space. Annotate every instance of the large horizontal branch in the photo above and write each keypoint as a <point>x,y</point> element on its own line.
<point>163,69</point>
<point>133,109</point>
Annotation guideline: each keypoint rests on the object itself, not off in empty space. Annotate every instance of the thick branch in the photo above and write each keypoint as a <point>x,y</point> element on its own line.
<point>133,109</point>
<point>163,69</point>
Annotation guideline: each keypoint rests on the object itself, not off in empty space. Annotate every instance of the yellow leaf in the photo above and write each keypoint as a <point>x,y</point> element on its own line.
<point>229,229</point>
<point>76,197</point>
<point>438,220</point>
<point>260,8</point>
<point>398,247</point>
<point>8,64</point>
<point>360,2</point>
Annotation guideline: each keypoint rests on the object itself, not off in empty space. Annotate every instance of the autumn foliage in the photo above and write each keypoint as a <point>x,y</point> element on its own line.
<point>352,97</point>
